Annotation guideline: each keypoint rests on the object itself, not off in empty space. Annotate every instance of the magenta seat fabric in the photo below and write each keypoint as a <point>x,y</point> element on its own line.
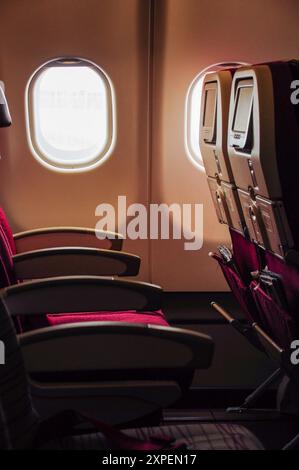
<point>280,323</point>
<point>8,277</point>
<point>240,290</point>
<point>290,279</point>
<point>5,269</point>
<point>245,256</point>
<point>7,231</point>
<point>275,320</point>
<point>128,316</point>
<point>7,250</point>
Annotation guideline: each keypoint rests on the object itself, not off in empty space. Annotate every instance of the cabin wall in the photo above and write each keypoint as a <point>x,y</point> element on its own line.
<point>189,36</point>
<point>115,35</point>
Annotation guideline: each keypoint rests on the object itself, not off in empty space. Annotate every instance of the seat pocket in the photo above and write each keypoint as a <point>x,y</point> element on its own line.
<point>275,320</point>
<point>245,256</point>
<point>241,291</point>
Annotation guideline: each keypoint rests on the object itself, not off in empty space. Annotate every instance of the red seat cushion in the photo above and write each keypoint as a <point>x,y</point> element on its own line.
<point>128,316</point>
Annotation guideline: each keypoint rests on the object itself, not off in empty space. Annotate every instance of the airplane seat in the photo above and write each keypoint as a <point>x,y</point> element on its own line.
<point>212,141</point>
<point>262,139</point>
<point>236,265</point>
<point>21,427</point>
<point>247,115</point>
<point>262,267</point>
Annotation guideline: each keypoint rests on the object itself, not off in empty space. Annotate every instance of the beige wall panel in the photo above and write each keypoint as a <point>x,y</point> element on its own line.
<point>112,33</point>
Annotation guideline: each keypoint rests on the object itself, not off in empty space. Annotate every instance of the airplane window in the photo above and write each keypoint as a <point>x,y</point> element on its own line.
<point>70,115</point>
<point>192,113</point>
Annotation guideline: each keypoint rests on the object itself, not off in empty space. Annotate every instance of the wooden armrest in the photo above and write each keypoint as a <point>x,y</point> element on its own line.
<point>80,294</point>
<point>102,346</point>
<point>69,261</point>
<point>51,237</point>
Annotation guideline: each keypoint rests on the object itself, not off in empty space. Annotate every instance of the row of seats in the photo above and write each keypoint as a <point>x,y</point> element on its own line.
<point>118,360</point>
<point>249,137</point>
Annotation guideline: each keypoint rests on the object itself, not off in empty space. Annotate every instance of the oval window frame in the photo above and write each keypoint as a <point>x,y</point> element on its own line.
<point>37,151</point>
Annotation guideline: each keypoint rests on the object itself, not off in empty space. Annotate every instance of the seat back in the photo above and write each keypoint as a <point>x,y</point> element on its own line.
<point>262,138</point>
<point>213,145</point>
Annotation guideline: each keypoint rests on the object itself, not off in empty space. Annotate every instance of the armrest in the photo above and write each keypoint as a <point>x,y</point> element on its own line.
<point>52,237</point>
<point>74,261</point>
<point>80,294</point>
<point>116,372</point>
<point>101,346</point>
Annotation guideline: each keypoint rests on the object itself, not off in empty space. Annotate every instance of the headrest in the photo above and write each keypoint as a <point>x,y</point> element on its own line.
<point>5,119</point>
